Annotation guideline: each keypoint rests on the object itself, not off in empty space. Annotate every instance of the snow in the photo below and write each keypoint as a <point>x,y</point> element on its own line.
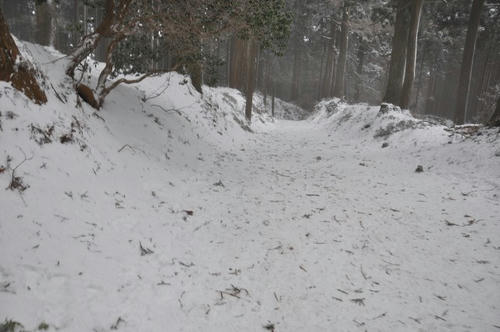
<point>165,212</point>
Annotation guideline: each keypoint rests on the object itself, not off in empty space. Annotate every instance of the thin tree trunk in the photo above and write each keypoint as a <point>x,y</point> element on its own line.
<point>485,74</point>
<point>273,101</point>
<point>339,89</point>
<point>195,69</point>
<point>43,22</point>
<point>398,54</point>
<point>411,54</point>
<point>431,94</point>
<point>321,72</point>
<point>267,78</point>
<point>330,58</point>
<point>467,62</point>
<point>420,78</point>
<point>295,74</point>
<point>359,70</point>
<point>251,54</point>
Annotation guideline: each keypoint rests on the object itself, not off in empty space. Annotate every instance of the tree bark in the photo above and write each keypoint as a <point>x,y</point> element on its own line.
<point>19,73</point>
<point>467,62</point>
<point>398,54</point>
<point>339,89</point>
<point>411,54</point>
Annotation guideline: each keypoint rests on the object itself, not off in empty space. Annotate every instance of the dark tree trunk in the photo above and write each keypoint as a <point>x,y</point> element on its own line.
<point>18,73</point>
<point>495,118</point>
<point>420,78</point>
<point>330,59</point>
<point>43,22</point>
<point>485,74</point>
<point>467,62</point>
<point>195,71</point>
<point>321,73</point>
<point>431,94</point>
<point>411,54</point>
<point>195,67</point>
<point>359,70</point>
<point>251,54</point>
<point>267,77</point>
<point>339,89</point>
<point>237,64</point>
<point>296,74</point>
<point>398,54</point>
<point>273,101</point>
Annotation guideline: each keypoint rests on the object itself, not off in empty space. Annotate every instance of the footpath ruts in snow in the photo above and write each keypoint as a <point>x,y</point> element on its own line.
<point>163,213</point>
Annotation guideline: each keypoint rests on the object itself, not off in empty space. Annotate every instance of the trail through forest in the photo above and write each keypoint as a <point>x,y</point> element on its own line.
<point>199,222</point>
<point>331,234</point>
<point>294,229</point>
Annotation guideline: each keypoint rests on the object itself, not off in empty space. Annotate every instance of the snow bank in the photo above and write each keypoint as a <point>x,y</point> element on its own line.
<point>395,133</point>
<point>67,171</point>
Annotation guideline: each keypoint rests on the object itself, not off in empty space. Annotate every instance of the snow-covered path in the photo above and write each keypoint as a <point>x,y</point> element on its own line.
<point>295,228</point>
<point>328,235</point>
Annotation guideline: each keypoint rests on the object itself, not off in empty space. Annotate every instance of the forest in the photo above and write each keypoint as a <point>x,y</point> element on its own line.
<point>299,51</point>
<point>249,165</point>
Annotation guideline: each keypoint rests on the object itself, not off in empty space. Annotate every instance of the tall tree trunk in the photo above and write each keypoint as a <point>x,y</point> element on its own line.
<point>43,22</point>
<point>485,74</point>
<point>267,77</point>
<point>431,94</point>
<point>398,54</point>
<point>411,54</point>
<point>251,55</point>
<point>195,72</point>
<point>339,89</point>
<point>295,74</point>
<point>74,33</point>
<point>321,72</point>
<point>237,64</point>
<point>195,68</point>
<point>467,61</point>
<point>12,68</point>
<point>359,70</point>
<point>420,78</point>
<point>330,59</point>
<point>273,98</point>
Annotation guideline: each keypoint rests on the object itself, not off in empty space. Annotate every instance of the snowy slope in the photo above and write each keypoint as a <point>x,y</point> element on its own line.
<point>163,212</point>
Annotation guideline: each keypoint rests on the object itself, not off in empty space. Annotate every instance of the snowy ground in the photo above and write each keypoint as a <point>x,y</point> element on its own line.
<point>151,219</point>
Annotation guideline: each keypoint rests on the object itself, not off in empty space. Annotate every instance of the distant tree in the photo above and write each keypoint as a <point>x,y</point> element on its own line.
<point>411,53</point>
<point>398,54</point>
<point>467,61</point>
<point>339,89</point>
